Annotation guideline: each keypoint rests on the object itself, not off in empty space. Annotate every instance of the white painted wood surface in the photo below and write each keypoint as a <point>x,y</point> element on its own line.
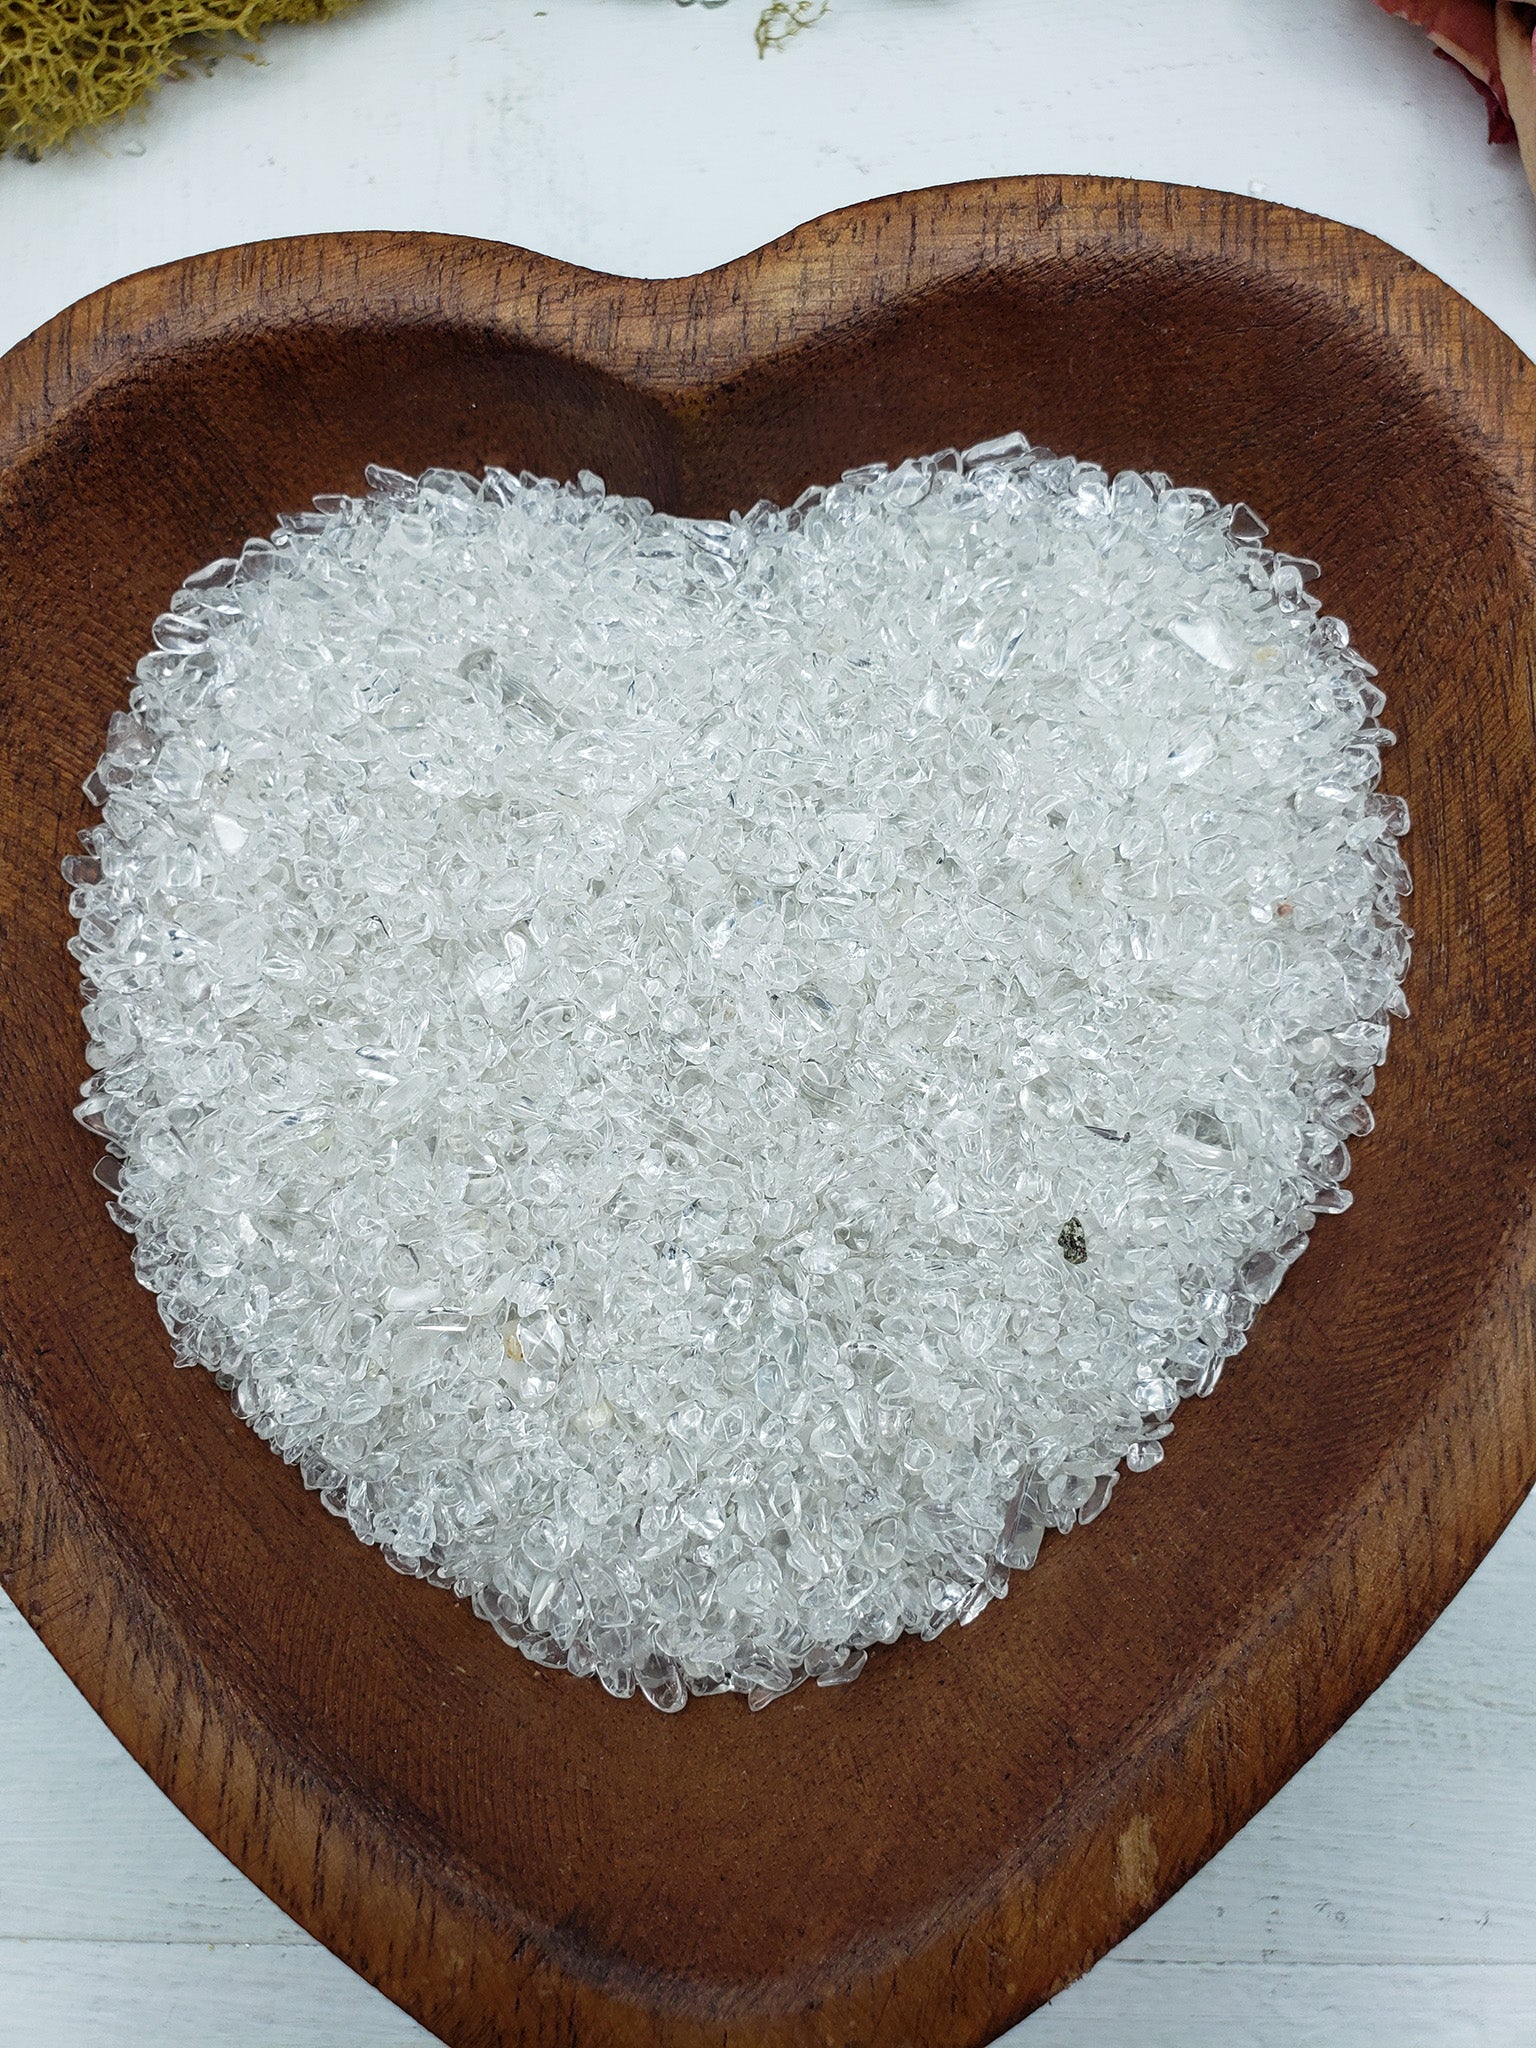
<point>1388,1895</point>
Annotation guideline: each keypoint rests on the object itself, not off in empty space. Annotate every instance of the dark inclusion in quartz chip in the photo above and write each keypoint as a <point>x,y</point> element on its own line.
<point>1074,1246</point>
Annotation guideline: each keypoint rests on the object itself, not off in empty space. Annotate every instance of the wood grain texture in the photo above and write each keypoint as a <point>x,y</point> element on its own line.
<point>1383,1899</point>
<point>105,1994</point>
<point>510,1854</point>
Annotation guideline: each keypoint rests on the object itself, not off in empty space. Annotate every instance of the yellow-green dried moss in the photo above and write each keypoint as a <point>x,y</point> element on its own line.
<point>69,64</point>
<point>781,19</point>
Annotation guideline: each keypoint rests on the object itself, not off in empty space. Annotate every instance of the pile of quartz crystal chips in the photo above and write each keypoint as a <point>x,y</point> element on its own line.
<point>708,1081</point>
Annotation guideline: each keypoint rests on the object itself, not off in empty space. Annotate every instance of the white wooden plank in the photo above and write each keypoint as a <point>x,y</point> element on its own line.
<point>1256,2005</point>
<point>88,1845</point>
<point>87,1994</point>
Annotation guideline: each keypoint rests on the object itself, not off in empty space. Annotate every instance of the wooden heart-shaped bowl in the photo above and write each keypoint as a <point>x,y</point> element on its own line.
<point>924,1856</point>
